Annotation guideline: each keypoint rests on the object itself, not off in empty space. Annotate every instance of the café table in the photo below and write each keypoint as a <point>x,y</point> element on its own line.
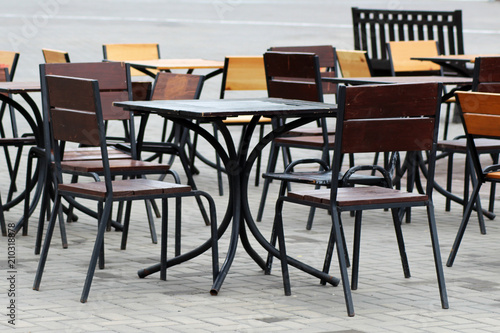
<point>33,119</point>
<point>145,66</point>
<point>458,63</point>
<point>237,161</point>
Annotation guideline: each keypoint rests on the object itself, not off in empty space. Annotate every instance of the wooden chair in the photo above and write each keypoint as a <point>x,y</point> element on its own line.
<point>400,54</point>
<point>391,118</point>
<point>481,118</point>
<point>486,78</point>
<point>114,81</point>
<point>373,28</point>
<point>353,63</point>
<point>10,59</point>
<point>169,86</point>
<point>75,109</point>
<point>306,85</point>
<point>327,61</point>
<point>55,56</point>
<point>141,85</point>
<point>242,73</point>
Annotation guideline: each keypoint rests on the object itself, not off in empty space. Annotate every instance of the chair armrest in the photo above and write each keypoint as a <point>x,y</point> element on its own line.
<point>386,174</point>
<point>322,163</point>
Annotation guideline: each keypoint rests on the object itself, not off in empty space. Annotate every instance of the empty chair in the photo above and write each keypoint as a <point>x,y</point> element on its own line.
<point>141,84</point>
<point>75,109</point>
<point>400,54</point>
<point>353,63</point>
<point>392,118</point>
<point>55,56</point>
<point>10,59</point>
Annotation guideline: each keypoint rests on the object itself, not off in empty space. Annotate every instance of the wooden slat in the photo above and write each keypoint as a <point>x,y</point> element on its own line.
<point>306,141</point>
<point>92,153</point>
<point>363,103</point>
<point>116,166</point>
<point>245,73</point>
<point>353,63</point>
<point>170,86</point>
<point>385,135</point>
<point>55,56</point>
<point>401,53</point>
<point>354,196</point>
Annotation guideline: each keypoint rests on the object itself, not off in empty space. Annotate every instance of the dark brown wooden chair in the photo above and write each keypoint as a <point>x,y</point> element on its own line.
<point>392,118</point>
<point>114,81</point>
<point>486,78</point>
<point>294,76</point>
<point>481,118</point>
<point>141,84</point>
<point>74,105</point>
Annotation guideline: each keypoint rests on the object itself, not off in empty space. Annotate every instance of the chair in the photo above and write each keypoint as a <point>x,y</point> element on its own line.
<point>242,73</point>
<point>353,63</point>
<point>141,86</point>
<point>281,67</point>
<point>400,54</point>
<point>10,59</point>
<point>55,56</point>
<point>486,78</point>
<point>480,118</point>
<point>373,28</point>
<point>114,81</point>
<point>392,118</point>
<point>170,86</point>
<point>75,109</point>
<point>327,61</point>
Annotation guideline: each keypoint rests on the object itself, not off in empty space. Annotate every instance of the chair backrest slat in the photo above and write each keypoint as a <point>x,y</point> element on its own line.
<point>481,113</point>
<point>243,73</point>
<point>127,52</point>
<point>293,75</point>
<point>73,117</point>
<point>486,77</point>
<point>170,86</point>
<point>400,54</point>
<point>353,63</point>
<point>55,56</point>
<point>389,118</point>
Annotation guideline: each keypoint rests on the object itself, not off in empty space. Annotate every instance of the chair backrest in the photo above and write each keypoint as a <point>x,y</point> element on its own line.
<point>373,28</point>
<point>113,78</point>
<point>353,63</point>
<point>10,59</point>
<point>327,61</point>
<point>4,74</point>
<point>486,76</point>
<point>481,118</point>
<point>126,52</point>
<point>293,75</point>
<point>388,118</point>
<point>55,56</point>
<point>75,112</point>
<point>170,86</point>
<point>243,73</point>
<point>400,54</point>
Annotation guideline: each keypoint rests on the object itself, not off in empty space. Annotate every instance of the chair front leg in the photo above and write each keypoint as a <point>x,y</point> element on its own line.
<point>401,244</point>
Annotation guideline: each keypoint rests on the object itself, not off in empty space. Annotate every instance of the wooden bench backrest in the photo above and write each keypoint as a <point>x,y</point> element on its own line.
<point>386,118</point>
<point>170,86</point>
<point>113,78</point>
<point>353,63</point>
<point>243,73</point>
<point>400,54</point>
<point>327,61</point>
<point>486,76</point>
<point>373,28</point>
<point>55,56</point>
<point>127,52</point>
<point>10,59</point>
<point>293,75</point>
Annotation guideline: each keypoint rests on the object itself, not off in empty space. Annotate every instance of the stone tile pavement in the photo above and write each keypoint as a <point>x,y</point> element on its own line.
<point>249,301</point>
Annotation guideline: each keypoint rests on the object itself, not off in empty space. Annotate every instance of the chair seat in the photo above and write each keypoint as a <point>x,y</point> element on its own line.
<point>93,153</point>
<point>243,120</point>
<point>127,188</point>
<point>315,141</point>
<point>356,196</point>
<point>460,145</point>
<point>321,178</point>
<point>116,166</point>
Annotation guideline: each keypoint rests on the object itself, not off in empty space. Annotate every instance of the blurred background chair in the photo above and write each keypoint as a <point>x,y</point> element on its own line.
<point>55,56</point>
<point>141,83</point>
<point>353,63</point>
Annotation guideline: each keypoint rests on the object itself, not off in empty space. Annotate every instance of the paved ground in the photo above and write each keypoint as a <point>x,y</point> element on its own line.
<point>249,301</point>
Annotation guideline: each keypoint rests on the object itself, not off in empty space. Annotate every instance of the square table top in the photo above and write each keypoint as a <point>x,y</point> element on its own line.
<point>221,108</point>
